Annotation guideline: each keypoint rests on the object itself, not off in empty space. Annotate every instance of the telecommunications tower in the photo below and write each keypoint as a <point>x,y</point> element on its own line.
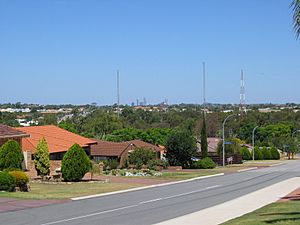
<point>242,94</point>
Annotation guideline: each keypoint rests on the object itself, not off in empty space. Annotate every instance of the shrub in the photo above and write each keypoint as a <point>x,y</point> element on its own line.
<point>11,155</point>
<point>7,182</point>
<point>245,153</point>
<point>157,164</point>
<point>258,154</point>
<point>206,163</point>
<point>275,154</point>
<point>266,153</point>
<point>21,179</point>
<point>141,155</point>
<point>75,164</point>
<point>111,164</point>
<point>41,158</point>
<point>181,147</point>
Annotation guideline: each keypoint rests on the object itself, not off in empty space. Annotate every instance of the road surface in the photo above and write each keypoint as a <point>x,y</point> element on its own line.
<point>156,204</point>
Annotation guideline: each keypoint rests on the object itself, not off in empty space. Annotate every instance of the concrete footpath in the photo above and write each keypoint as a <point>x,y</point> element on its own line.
<point>229,210</point>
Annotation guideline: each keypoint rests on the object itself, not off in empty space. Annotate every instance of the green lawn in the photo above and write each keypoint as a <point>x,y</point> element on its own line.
<point>185,175</point>
<point>64,191</point>
<point>280,213</point>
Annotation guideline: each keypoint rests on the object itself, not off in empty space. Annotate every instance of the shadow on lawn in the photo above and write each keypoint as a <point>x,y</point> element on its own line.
<point>285,219</point>
<point>282,220</point>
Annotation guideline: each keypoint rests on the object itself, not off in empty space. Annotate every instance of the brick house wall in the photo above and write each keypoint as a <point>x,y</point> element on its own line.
<point>17,139</point>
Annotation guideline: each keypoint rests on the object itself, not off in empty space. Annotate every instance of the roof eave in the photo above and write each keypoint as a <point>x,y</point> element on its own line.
<point>15,136</point>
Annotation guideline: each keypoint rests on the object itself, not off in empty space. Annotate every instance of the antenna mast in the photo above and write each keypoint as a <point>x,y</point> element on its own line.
<point>242,94</point>
<point>204,97</point>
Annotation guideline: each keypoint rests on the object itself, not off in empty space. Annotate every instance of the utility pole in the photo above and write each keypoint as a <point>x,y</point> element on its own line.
<point>204,97</point>
<point>253,142</point>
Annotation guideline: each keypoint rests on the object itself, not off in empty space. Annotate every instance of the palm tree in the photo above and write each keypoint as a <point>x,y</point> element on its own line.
<point>296,17</point>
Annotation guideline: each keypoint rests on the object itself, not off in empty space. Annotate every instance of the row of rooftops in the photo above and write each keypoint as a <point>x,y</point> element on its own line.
<point>60,140</point>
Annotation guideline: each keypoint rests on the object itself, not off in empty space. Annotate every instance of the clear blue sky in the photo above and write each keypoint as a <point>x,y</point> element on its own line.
<point>67,51</point>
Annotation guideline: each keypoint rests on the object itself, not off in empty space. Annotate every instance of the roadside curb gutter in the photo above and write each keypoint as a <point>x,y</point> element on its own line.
<point>247,169</point>
<point>146,187</point>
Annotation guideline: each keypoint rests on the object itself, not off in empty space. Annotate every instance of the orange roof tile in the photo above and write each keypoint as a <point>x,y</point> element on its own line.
<point>9,132</point>
<point>58,139</point>
<point>109,148</point>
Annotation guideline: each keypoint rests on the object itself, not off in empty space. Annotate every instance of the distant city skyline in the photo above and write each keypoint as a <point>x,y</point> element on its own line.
<point>62,51</point>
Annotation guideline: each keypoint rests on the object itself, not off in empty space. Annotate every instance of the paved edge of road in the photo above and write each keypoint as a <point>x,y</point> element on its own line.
<point>277,164</point>
<point>238,206</point>
<point>247,169</point>
<point>146,187</point>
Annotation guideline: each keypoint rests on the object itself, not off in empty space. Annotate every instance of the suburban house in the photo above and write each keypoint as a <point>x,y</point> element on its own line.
<point>58,139</point>
<point>120,150</point>
<point>212,143</point>
<point>9,133</point>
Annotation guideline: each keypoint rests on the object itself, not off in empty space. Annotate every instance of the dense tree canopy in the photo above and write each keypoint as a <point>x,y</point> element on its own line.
<point>11,156</point>
<point>181,147</point>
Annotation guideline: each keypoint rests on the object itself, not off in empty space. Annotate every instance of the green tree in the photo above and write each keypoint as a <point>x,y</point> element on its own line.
<point>245,153</point>
<point>258,154</point>
<point>11,155</point>
<point>296,16</point>
<point>141,156</point>
<point>181,147</point>
<point>42,159</point>
<point>204,145</point>
<point>75,164</point>
<point>232,146</point>
<point>67,125</point>
<point>274,152</point>
<point>266,153</point>
<point>50,120</point>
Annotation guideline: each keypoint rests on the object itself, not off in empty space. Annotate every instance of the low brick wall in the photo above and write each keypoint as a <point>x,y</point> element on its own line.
<point>54,164</point>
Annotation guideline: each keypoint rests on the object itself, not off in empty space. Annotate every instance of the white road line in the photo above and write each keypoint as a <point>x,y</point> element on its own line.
<point>89,215</point>
<point>180,195</point>
<point>149,201</point>
<point>130,206</point>
<point>191,192</point>
<point>146,187</point>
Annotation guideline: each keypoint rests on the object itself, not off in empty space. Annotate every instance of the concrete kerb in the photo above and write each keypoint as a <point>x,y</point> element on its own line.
<point>238,206</point>
<point>146,187</point>
<point>277,164</point>
<point>247,169</point>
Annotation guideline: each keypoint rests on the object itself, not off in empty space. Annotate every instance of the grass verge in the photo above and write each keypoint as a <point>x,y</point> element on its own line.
<point>279,213</point>
<point>184,175</point>
<point>65,191</point>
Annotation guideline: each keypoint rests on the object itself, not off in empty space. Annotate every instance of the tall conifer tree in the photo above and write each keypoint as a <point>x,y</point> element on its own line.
<point>204,145</point>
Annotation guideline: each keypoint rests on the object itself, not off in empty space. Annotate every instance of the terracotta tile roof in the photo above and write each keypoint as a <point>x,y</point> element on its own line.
<point>142,144</point>
<point>9,132</point>
<point>58,139</point>
<point>109,148</point>
<point>212,144</point>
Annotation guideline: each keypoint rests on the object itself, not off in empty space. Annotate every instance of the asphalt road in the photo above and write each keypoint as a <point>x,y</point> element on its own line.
<point>154,205</point>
